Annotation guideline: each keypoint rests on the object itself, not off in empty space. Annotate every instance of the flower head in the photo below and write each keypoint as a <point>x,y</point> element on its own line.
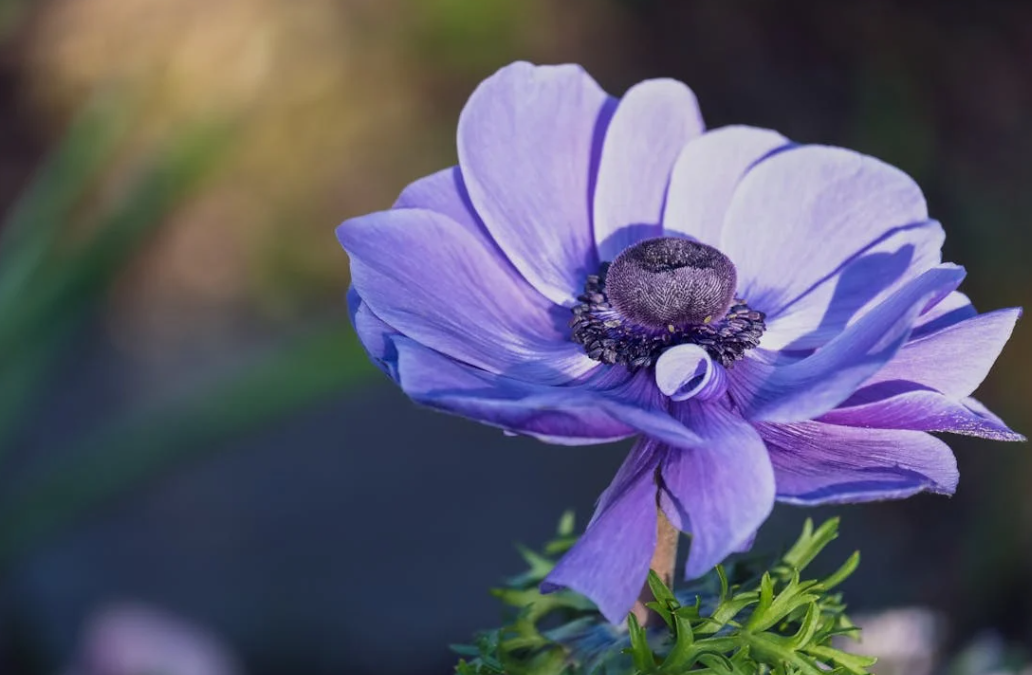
<point>772,321</point>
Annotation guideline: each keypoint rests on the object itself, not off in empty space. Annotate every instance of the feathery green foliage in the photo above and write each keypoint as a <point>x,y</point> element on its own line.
<point>734,621</point>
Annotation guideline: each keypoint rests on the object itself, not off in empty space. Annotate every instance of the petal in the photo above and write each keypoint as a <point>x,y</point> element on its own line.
<point>687,371</point>
<point>954,308</point>
<point>905,405</point>
<point>375,335</point>
<point>651,124</point>
<point>849,292</point>
<point>526,142</point>
<point>720,491</point>
<point>443,192</point>
<point>610,562</point>
<point>607,406</point>
<point>800,214</point>
<point>818,463</point>
<point>979,409</point>
<point>955,359</point>
<point>705,176</point>
<point>810,387</point>
<point>437,283</point>
<point>563,415</point>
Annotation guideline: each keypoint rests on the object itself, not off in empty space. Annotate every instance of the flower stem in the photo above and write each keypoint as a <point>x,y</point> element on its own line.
<point>664,559</point>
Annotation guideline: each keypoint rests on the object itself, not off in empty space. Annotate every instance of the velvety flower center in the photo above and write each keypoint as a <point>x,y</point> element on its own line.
<point>666,282</point>
<point>664,292</point>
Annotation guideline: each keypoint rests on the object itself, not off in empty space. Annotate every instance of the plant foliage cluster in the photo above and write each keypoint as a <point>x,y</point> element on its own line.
<point>739,620</point>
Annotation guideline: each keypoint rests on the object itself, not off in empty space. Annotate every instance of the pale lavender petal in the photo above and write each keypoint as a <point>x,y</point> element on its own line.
<point>434,281</point>
<point>906,405</point>
<point>687,371</point>
<point>610,562</point>
<point>720,491</point>
<point>800,214</point>
<point>705,177</point>
<point>955,359</point>
<point>564,415</point>
<point>810,387</point>
<point>652,122</point>
<point>443,192</point>
<point>817,463</point>
<point>375,335</point>
<point>526,141</point>
<point>867,279</point>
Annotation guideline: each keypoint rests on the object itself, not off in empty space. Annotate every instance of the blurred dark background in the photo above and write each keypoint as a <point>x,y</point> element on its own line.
<point>186,421</point>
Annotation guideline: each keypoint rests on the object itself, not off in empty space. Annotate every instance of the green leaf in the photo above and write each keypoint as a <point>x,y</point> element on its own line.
<point>794,596</point>
<point>760,613</point>
<point>641,653</point>
<point>684,652</point>
<point>727,611</point>
<point>807,629</point>
<point>811,543</point>
<point>842,573</point>
<point>550,662</point>
<point>465,650</point>
<point>566,524</point>
<point>774,652</point>
<point>722,575</point>
<point>720,664</point>
<point>540,566</point>
<point>854,663</point>
<point>660,592</point>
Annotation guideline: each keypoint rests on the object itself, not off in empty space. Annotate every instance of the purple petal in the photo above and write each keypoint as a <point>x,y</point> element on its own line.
<point>818,463</point>
<point>814,385</point>
<point>687,371</point>
<point>720,491</point>
<point>955,359</point>
<point>443,192</point>
<point>564,415</point>
<point>610,562</point>
<point>526,139</point>
<point>954,308</point>
<point>800,214</point>
<point>905,405</point>
<point>746,545</point>
<point>979,409</point>
<point>436,282</point>
<point>655,422</point>
<point>850,291</point>
<point>643,457</point>
<point>705,177</point>
<point>606,406</point>
<point>376,336</point>
<point>651,124</point>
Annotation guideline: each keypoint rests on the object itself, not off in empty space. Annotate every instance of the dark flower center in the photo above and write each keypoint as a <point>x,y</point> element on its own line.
<point>671,282</point>
<point>664,292</point>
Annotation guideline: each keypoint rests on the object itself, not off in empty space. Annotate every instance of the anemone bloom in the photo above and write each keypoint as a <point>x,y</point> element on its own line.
<point>773,321</point>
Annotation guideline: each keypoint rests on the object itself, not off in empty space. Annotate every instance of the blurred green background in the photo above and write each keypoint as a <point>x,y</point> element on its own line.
<point>186,420</point>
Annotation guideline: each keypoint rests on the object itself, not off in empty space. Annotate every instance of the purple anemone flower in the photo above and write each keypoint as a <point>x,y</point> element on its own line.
<point>772,321</point>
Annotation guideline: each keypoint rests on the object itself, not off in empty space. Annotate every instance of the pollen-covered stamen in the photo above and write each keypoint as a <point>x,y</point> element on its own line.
<point>696,306</point>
